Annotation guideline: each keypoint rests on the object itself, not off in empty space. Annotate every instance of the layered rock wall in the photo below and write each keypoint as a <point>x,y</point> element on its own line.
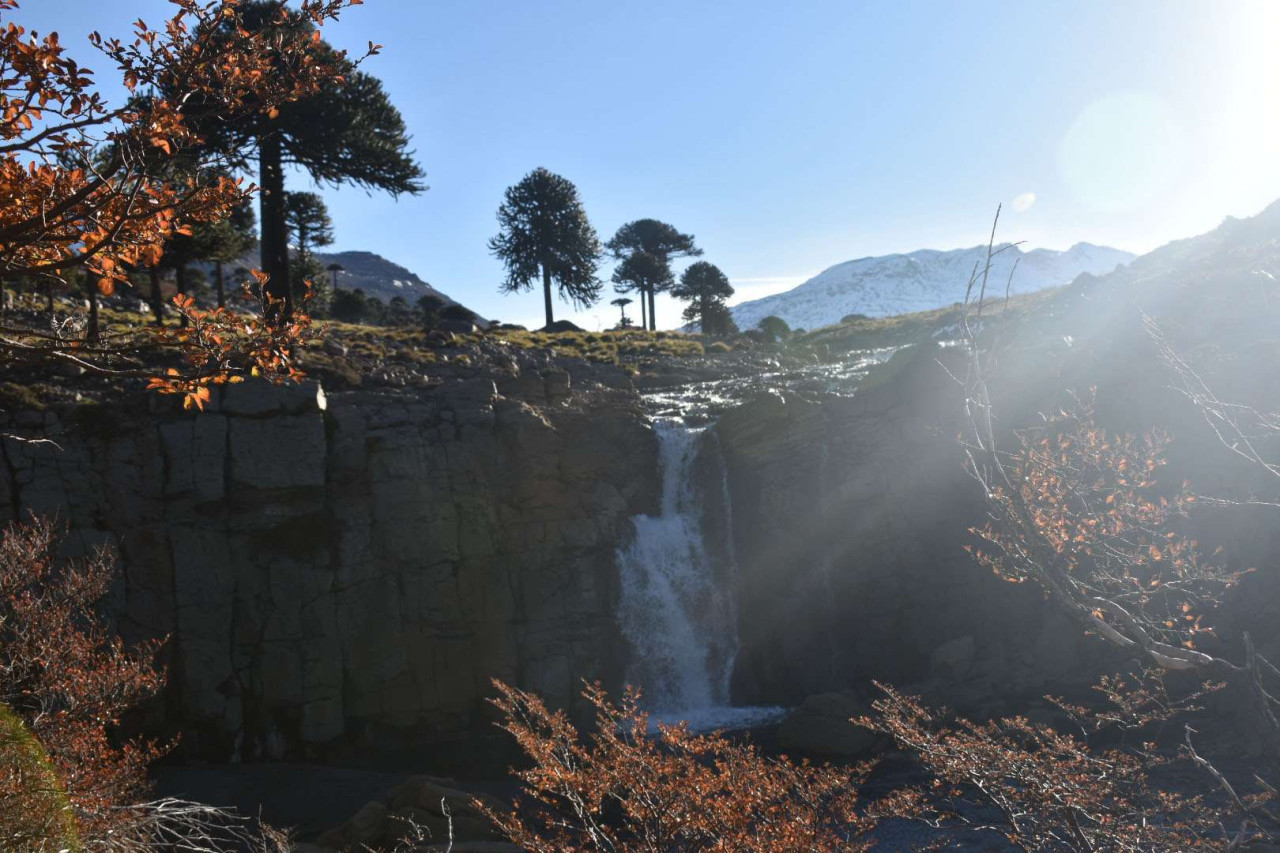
<point>355,567</point>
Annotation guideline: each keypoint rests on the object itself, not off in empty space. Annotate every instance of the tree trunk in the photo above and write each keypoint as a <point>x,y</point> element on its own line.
<point>157,301</point>
<point>275,240</point>
<point>644,314</point>
<point>91,330</point>
<point>702,311</point>
<point>222,292</point>
<point>653,318</point>
<point>546,292</point>
<point>180,280</point>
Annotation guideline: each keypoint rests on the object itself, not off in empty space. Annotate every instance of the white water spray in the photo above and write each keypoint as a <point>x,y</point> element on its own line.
<point>678,617</point>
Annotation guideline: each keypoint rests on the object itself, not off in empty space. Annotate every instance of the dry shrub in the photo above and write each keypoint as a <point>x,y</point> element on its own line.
<point>623,788</point>
<point>69,680</point>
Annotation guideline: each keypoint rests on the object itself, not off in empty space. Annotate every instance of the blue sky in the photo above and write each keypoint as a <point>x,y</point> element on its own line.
<point>792,136</point>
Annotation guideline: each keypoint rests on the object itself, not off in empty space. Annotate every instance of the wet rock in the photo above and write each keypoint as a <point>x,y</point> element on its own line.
<point>821,726</point>
<point>952,660</point>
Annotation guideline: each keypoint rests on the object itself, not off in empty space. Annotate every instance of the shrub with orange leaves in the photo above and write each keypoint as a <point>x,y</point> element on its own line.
<point>68,678</point>
<point>1052,791</point>
<point>624,788</point>
<point>1080,511</point>
<point>79,192</point>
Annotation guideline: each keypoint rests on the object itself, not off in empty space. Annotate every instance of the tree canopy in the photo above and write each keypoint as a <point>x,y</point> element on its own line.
<point>706,288</point>
<point>73,213</point>
<point>345,132</point>
<point>661,242</point>
<point>642,273</point>
<point>545,232</point>
<point>775,327</point>
<point>307,220</point>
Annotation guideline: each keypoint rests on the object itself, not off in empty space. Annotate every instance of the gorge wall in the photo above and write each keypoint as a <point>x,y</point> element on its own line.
<point>850,516</point>
<point>356,566</point>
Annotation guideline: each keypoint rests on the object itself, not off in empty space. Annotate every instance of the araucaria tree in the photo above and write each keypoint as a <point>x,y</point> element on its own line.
<point>622,302</point>
<point>641,272</point>
<point>73,211</point>
<point>307,219</point>
<point>706,288</point>
<point>545,233</point>
<point>346,131</point>
<point>660,241</point>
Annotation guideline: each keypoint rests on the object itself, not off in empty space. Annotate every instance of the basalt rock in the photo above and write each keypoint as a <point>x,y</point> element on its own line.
<point>352,568</point>
<point>849,520</point>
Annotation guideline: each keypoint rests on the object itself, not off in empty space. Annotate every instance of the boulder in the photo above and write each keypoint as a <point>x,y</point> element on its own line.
<point>562,326</point>
<point>821,726</point>
<point>457,327</point>
<point>952,660</point>
<point>259,398</point>
<point>366,827</point>
<point>557,383</point>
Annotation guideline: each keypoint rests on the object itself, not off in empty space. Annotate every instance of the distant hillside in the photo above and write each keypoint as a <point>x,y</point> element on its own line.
<point>920,281</point>
<point>379,277</point>
<point>374,274</point>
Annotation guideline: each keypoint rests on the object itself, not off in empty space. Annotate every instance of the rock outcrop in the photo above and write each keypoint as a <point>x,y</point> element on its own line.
<point>849,517</point>
<point>353,567</point>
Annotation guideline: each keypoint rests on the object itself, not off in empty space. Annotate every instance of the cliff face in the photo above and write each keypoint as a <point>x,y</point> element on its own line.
<point>358,565</point>
<point>849,516</point>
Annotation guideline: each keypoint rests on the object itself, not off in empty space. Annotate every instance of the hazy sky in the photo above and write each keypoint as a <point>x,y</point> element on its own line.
<point>792,136</point>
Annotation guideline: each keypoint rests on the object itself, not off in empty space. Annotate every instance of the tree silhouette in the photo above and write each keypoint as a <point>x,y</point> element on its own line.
<point>658,239</point>
<point>227,241</point>
<point>545,231</point>
<point>622,302</point>
<point>706,288</point>
<point>348,132</point>
<point>775,327</point>
<point>643,273</point>
<point>307,220</point>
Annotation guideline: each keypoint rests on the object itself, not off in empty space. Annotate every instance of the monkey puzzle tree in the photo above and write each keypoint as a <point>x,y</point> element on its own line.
<point>545,232</point>
<point>307,220</point>
<point>706,288</point>
<point>622,302</point>
<point>71,211</point>
<point>659,240</point>
<point>642,273</point>
<point>227,241</point>
<point>346,132</point>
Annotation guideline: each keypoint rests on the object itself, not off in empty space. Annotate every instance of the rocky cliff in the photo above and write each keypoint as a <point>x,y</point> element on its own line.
<point>850,514</point>
<point>355,566</point>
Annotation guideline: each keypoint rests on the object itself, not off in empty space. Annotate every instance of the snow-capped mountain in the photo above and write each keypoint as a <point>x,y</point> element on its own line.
<point>919,281</point>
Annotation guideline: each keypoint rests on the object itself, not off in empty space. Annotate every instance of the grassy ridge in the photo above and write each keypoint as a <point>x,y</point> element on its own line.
<point>902,329</point>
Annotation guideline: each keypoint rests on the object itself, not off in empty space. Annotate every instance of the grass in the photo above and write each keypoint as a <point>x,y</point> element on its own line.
<point>903,329</point>
<point>608,347</point>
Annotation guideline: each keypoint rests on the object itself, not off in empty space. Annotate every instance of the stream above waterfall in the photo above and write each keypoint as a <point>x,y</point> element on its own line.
<point>700,403</point>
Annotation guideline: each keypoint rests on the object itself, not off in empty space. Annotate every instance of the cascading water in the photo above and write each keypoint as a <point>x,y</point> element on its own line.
<point>677,615</point>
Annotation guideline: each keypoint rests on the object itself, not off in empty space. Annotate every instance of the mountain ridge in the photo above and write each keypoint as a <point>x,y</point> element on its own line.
<point>903,283</point>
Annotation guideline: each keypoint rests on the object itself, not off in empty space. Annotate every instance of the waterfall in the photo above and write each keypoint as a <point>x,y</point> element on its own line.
<point>678,616</point>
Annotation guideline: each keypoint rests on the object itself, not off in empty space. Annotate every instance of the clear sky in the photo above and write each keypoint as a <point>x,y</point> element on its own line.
<point>792,136</point>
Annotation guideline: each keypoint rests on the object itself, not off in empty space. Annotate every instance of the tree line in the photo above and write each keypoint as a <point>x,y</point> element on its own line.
<point>545,237</point>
